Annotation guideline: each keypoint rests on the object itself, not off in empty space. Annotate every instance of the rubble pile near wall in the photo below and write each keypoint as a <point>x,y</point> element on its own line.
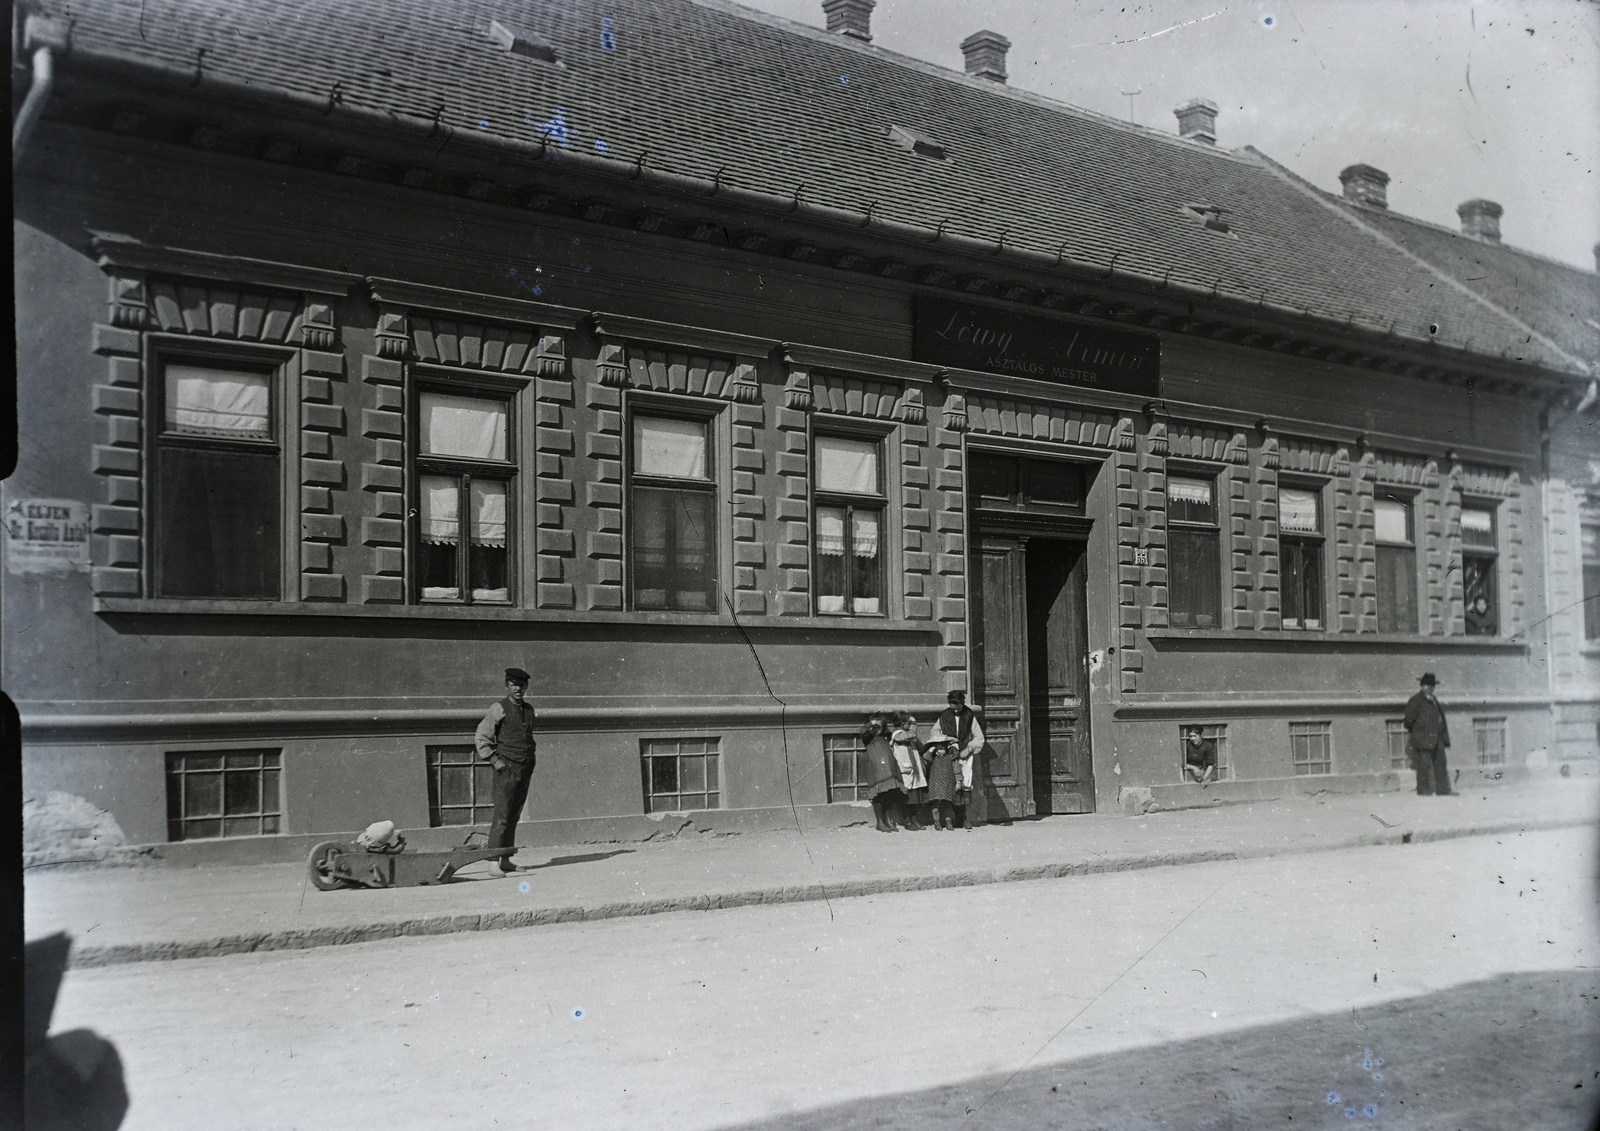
<point>62,828</point>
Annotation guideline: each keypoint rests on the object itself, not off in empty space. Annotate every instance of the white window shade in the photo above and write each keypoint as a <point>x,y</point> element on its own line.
<point>1477,527</point>
<point>830,531</point>
<point>1297,512</point>
<point>864,533</point>
<point>1389,519</point>
<point>488,513</point>
<point>847,465</point>
<point>1189,491</point>
<point>441,510</point>
<point>217,402</point>
<point>672,449</point>
<point>465,427</point>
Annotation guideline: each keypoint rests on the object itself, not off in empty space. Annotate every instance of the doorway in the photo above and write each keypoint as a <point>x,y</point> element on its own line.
<point>1030,657</point>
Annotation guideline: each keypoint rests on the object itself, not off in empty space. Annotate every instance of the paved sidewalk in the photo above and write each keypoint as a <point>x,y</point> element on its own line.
<point>136,914</point>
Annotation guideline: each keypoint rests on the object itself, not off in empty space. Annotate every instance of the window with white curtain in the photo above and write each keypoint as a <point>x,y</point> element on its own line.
<point>1300,556</point>
<point>672,498</point>
<point>1193,550</point>
<point>217,490</point>
<point>464,491</point>
<point>847,537</point>
<point>1394,528</point>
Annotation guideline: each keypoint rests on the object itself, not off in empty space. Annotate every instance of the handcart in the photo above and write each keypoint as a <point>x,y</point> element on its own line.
<point>334,864</point>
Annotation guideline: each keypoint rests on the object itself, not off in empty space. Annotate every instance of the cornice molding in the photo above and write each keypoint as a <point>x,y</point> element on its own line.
<point>425,298</point>
<point>808,357</point>
<point>116,253</point>
<point>648,332</point>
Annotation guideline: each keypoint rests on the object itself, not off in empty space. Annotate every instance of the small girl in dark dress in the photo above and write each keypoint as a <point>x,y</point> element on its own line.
<point>883,773</point>
<point>943,783</point>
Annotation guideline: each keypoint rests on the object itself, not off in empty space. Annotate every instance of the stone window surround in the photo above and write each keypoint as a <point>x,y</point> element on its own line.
<point>222,306</point>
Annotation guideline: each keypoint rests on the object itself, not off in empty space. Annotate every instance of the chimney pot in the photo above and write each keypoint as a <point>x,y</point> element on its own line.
<point>985,53</point>
<point>1364,184</point>
<point>1596,250</point>
<point>1480,219</point>
<point>850,17</point>
<point>1197,120</point>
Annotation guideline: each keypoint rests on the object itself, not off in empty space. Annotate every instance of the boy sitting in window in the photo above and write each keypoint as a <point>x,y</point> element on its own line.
<point>1199,757</point>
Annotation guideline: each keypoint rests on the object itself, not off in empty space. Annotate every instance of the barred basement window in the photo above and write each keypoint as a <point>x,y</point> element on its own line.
<point>1479,553</point>
<point>849,526</point>
<point>1591,581</point>
<point>217,486</point>
<point>1217,734</point>
<point>464,478</point>
<point>681,774</point>
<point>1395,530</point>
<point>223,793</point>
<point>673,515</point>
<point>1395,730</point>
<point>1490,738</point>
<point>1300,550</point>
<point>460,787</point>
<point>1192,552</point>
<point>1311,748</point>
<point>848,774</point>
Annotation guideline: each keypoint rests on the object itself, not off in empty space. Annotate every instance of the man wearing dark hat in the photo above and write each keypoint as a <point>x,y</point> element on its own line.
<point>1427,738</point>
<point>505,740</point>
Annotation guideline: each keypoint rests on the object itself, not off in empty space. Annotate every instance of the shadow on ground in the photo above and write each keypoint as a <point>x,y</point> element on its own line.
<point>582,858</point>
<point>1521,1050</point>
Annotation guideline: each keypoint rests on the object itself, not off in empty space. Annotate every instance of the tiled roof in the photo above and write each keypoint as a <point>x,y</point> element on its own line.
<point>708,88</point>
<point>1560,301</point>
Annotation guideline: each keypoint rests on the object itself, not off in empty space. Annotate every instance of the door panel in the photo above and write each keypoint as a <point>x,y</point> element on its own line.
<point>1000,677</point>
<point>1059,675</point>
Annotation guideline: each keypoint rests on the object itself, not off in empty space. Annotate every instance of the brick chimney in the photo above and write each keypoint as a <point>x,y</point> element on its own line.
<point>1480,219</point>
<point>1365,185</point>
<point>850,17</point>
<point>986,55</point>
<point>1197,120</point>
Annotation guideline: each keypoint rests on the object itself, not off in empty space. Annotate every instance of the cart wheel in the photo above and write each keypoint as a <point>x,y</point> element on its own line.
<point>319,866</point>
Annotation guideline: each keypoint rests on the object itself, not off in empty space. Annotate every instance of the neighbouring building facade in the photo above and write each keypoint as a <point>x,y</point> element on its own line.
<point>736,379</point>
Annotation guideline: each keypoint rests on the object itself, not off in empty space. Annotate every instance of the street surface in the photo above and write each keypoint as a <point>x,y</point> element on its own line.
<point>1240,994</point>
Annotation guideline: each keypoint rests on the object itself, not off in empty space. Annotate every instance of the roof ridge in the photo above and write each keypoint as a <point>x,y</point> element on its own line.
<point>1290,177</point>
<point>1042,101</point>
<point>1514,249</point>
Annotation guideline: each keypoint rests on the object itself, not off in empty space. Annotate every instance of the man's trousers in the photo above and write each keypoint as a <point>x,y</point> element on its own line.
<point>1433,776</point>
<point>511,783</point>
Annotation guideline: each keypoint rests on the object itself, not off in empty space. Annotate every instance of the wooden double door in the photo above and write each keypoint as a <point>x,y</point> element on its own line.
<point>1030,668</point>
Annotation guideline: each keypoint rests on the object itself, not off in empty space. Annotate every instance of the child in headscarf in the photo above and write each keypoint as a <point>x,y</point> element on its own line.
<point>883,773</point>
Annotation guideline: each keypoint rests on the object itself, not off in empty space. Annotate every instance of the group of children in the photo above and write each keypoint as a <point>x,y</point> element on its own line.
<point>916,785</point>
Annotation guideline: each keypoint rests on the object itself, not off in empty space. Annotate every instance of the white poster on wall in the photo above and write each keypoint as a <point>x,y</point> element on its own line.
<point>47,536</point>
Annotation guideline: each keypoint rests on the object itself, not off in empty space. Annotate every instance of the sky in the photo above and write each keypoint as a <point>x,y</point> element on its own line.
<point>1454,99</point>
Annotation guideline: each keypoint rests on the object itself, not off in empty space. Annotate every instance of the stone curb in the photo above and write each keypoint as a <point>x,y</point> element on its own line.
<point>304,939</point>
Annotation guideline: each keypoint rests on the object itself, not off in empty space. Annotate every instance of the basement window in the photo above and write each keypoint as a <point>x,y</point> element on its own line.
<point>1210,217</point>
<point>521,43</point>
<point>919,143</point>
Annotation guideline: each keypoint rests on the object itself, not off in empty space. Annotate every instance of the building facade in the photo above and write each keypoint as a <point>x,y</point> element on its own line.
<point>339,394</point>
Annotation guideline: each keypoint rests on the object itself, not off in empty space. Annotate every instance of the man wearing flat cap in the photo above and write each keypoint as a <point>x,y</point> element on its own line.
<point>1427,738</point>
<point>505,740</point>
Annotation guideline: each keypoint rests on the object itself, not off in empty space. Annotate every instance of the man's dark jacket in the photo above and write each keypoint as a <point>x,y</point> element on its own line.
<point>1425,725</point>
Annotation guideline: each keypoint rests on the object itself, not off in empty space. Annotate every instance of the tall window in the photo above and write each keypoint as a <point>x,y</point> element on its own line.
<point>1397,564</point>
<point>1300,555</point>
<point>1479,550</point>
<point>1591,581</point>
<point>849,526</point>
<point>1193,536</point>
<point>217,484</point>
<point>464,477</point>
<point>674,515</point>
